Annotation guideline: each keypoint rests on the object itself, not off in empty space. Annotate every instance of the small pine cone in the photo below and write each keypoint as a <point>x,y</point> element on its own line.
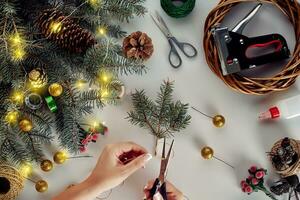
<point>38,77</point>
<point>64,31</point>
<point>138,45</point>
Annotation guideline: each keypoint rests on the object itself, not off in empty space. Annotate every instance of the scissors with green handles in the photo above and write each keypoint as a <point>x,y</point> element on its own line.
<point>187,49</point>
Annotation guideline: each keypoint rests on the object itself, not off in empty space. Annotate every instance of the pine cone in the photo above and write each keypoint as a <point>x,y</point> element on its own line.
<point>38,78</point>
<point>64,31</point>
<point>138,45</point>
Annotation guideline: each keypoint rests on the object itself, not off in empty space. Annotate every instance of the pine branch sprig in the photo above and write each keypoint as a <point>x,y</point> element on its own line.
<point>163,117</point>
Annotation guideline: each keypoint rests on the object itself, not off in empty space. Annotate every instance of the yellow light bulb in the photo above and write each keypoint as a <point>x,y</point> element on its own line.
<point>12,117</point>
<point>16,40</point>
<point>105,78</point>
<point>101,31</point>
<point>80,84</point>
<point>55,27</point>
<point>18,54</point>
<point>18,97</point>
<point>94,3</point>
<point>104,93</point>
<point>95,124</point>
<point>26,169</point>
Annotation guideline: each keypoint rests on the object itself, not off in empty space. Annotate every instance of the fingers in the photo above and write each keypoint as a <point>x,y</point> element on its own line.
<point>123,147</point>
<point>137,164</point>
<point>149,185</point>
<point>172,191</point>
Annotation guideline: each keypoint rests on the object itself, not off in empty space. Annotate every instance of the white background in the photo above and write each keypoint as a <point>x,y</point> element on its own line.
<point>242,142</point>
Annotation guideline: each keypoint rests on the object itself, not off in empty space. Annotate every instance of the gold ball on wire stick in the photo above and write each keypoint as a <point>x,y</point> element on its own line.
<point>41,186</point>
<point>46,165</point>
<point>219,121</point>
<point>55,89</point>
<point>25,125</point>
<point>207,153</point>
<point>59,157</point>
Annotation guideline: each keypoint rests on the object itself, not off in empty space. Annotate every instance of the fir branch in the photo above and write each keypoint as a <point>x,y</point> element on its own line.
<point>60,66</point>
<point>107,56</point>
<point>124,10</point>
<point>91,99</point>
<point>12,149</point>
<point>163,118</point>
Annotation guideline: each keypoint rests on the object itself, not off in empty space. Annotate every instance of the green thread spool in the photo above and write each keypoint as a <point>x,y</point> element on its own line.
<point>178,11</point>
<point>51,103</point>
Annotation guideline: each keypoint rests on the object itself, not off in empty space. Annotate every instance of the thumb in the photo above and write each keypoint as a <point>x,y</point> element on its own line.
<point>137,163</point>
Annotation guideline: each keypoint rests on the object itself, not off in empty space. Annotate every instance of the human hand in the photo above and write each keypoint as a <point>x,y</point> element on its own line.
<point>110,171</point>
<point>172,192</point>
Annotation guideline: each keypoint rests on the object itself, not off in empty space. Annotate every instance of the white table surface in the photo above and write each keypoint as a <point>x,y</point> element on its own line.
<point>242,142</point>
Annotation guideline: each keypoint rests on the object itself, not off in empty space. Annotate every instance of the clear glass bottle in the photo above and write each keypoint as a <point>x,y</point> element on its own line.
<point>284,109</point>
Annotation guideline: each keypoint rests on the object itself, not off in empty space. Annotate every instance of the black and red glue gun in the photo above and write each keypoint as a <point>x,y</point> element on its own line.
<point>238,52</point>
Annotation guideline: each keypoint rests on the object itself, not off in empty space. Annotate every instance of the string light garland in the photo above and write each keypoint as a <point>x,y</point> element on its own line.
<point>178,11</point>
<point>94,3</point>
<point>17,46</point>
<point>11,117</point>
<point>254,86</point>
<point>101,31</point>
<point>26,169</point>
<point>17,97</point>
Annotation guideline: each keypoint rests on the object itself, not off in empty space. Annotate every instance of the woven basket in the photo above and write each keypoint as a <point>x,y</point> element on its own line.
<point>254,85</point>
<point>294,169</point>
<point>16,181</point>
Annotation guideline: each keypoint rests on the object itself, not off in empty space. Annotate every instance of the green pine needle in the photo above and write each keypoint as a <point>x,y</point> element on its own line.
<point>163,117</point>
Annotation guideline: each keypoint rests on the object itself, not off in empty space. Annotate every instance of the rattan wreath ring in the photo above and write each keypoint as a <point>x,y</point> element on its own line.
<point>16,181</point>
<point>295,168</point>
<point>255,86</point>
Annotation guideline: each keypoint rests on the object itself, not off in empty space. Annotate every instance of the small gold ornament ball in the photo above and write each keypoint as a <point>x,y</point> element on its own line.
<point>219,121</point>
<point>25,125</point>
<point>55,89</point>
<point>41,186</point>
<point>46,165</point>
<point>207,153</point>
<point>59,157</point>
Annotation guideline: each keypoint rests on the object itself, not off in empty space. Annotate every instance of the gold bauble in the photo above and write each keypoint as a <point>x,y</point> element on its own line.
<point>46,165</point>
<point>41,186</point>
<point>219,121</point>
<point>59,157</point>
<point>55,89</point>
<point>207,153</point>
<point>25,125</point>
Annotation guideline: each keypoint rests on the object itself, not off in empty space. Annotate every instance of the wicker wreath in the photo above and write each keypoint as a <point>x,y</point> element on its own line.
<point>295,168</point>
<point>11,182</point>
<point>255,86</point>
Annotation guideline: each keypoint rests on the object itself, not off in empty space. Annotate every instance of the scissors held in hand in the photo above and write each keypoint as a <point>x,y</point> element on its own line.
<point>187,49</point>
<point>159,185</point>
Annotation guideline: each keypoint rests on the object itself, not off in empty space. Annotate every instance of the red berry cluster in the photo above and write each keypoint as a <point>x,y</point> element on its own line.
<point>92,136</point>
<point>254,181</point>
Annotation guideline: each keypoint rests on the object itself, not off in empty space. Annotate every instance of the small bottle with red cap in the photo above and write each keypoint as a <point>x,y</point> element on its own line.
<point>285,109</point>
